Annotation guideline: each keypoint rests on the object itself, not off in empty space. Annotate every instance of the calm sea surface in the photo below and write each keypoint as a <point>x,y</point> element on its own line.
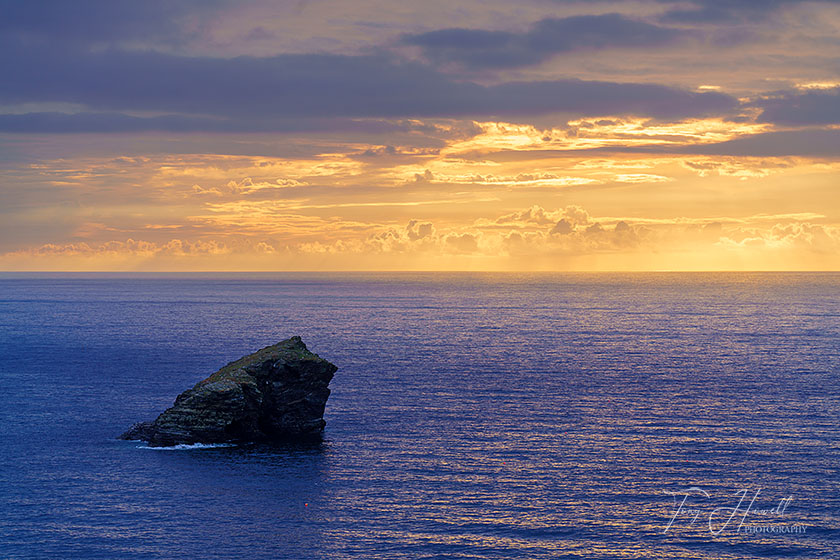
<point>473,416</point>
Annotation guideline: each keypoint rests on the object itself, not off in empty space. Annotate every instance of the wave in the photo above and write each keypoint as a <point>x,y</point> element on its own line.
<point>183,446</point>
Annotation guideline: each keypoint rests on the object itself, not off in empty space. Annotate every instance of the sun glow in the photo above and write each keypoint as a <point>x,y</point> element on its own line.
<point>599,133</point>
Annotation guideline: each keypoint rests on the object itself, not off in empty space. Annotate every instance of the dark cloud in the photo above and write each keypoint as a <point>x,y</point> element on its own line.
<point>609,98</point>
<point>727,11</point>
<point>104,122</point>
<point>809,107</point>
<point>49,122</point>
<point>249,93</point>
<point>798,143</point>
<point>479,49</point>
<point>281,86</point>
<point>90,22</point>
<point>285,85</point>
<point>803,143</point>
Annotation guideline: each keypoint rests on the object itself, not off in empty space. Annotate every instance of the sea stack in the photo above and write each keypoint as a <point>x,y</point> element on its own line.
<point>277,393</point>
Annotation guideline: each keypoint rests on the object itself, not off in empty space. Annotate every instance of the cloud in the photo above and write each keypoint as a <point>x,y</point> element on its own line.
<point>743,167</point>
<point>247,186</point>
<point>641,178</point>
<point>129,247</point>
<point>538,216</point>
<point>107,122</point>
<point>813,143</point>
<point>533,215</point>
<point>765,240</point>
<point>725,11</point>
<point>609,98</point>
<point>798,108</point>
<point>574,234</point>
<point>251,93</point>
<point>507,140</point>
<point>463,242</point>
<point>575,231</point>
<point>416,236</point>
<point>54,122</point>
<point>92,22</point>
<point>562,227</point>
<point>479,49</point>
<point>803,143</point>
<point>819,238</point>
<point>805,237</point>
<point>417,230</point>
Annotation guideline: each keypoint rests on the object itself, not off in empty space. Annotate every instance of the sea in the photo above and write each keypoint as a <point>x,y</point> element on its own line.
<point>473,416</point>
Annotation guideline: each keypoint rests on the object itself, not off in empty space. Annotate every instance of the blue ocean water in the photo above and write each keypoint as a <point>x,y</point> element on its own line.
<point>473,416</point>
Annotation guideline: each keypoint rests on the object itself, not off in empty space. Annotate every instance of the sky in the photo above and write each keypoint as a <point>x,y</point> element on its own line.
<point>537,135</point>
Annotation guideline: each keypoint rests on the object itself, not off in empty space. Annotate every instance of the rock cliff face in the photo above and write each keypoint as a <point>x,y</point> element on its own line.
<point>276,393</point>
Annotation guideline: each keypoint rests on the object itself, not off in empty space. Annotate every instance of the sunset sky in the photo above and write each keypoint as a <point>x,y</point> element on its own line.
<point>435,135</point>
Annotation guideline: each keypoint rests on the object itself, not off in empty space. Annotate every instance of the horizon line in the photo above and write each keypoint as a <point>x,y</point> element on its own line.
<point>427,271</point>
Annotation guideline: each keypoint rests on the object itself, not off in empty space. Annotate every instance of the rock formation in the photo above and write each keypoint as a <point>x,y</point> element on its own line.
<point>276,393</point>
